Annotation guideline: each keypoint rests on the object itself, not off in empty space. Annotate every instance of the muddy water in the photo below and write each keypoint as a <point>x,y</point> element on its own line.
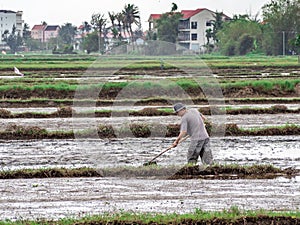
<point>281,151</point>
<point>244,121</point>
<point>73,197</point>
<point>57,198</point>
<point>86,109</point>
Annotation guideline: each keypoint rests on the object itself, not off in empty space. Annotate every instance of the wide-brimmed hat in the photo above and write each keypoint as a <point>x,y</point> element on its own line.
<point>178,107</point>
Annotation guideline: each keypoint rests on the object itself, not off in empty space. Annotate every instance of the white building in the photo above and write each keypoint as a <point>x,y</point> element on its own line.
<point>8,19</point>
<point>192,27</point>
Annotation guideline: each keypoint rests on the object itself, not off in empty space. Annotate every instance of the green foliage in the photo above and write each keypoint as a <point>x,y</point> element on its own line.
<point>90,43</point>
<point>167,26</point>
<point>67,33</point>
<point>13,39</point>
<point>238,36</point>
<point>229,48</point>
<point>131,16</point>
<point>227,216</point>
<point>245,44</point>
<point>98,22</point>
<point>283,19</point>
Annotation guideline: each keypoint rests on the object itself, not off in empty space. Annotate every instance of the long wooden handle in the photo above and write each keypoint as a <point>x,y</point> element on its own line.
<point>181,140</point>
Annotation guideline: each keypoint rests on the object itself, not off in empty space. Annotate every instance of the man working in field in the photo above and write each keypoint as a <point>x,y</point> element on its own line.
<point>192,123</point>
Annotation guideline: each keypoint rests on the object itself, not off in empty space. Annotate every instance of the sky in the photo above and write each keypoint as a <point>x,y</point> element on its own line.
<point>59,12</point>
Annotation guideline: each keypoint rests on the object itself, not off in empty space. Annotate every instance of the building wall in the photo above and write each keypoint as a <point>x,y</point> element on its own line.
<point>19,22</point>
<point>38,35</point>
<point>202,19</point>
<point>51,34</point>
<point>7,20</point>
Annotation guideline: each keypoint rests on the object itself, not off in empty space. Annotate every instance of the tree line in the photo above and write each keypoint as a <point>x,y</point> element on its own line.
<point>278,33</point>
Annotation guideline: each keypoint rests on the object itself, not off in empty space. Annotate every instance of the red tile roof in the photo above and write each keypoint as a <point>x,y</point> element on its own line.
<point>155,16</point>
<point>189,13</point>
<point>186,14</point>
<point>38,27</point>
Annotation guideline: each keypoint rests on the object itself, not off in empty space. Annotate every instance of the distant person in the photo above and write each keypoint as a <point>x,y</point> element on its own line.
<point>192,123</point>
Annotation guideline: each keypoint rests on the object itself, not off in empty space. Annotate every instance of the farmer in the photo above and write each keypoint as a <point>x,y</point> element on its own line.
<point>193,125</point>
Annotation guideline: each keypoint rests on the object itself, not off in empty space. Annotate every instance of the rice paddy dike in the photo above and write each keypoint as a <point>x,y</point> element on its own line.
<point>67,173</point>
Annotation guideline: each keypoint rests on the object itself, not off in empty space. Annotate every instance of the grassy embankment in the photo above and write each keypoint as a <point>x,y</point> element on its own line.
<point>177,172</point>
<point>231,216</point>
<point>63,89</point>
<point>64,112</point>
<point>140,131</point>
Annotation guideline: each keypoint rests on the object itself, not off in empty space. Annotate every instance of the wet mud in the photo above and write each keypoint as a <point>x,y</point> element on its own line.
<point>67,111</point>
<point>233,172</point>
<point>52,194</point>
<point>58,128</point>
<point>280,151</point>
<point>76,197</point>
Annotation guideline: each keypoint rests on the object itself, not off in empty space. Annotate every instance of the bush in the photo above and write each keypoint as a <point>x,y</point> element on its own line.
<point>245,44</point>
<point>229,48</point>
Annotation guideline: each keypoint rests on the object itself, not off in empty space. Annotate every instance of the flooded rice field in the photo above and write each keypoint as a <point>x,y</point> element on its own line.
<point>58,198</point>
<point>71,197</point>
<point>136,107</point>
<point>281,151</point>
<point>243,121</point>
<point>55,198</point>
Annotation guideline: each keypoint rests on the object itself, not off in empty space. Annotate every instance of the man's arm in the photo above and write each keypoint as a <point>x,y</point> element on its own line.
<point>203,117</point>
<point>180,136</point>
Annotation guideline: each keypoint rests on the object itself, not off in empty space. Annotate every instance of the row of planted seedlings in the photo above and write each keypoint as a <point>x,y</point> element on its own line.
<point>141,130</point>
<point>68,111</point>
<point>109,90</point>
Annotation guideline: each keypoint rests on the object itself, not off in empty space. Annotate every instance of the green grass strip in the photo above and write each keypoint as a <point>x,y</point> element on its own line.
<point>233,215</point>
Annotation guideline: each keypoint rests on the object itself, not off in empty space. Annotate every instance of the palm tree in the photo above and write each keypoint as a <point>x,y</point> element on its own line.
<point>131,16</point>
<point>119,18</point>
<point>112,17</point>
<point>98,21</point>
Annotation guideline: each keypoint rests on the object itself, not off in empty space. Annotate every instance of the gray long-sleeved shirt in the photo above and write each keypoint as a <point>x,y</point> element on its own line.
<point>192,123</point>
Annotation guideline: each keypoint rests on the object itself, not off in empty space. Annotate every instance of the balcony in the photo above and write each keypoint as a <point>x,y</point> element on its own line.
<point>184,25</point>
<point>184,36</point>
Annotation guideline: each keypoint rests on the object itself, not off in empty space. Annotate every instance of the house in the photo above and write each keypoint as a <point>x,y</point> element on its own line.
<point>192,27</point>
<point>8,19</point>
<point>152,20</point>
<point>44,33</point>
<point>51,32</point>
<point>37,32</point>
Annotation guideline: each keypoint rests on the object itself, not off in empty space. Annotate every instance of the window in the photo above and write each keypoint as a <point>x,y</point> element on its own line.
<point>194,25</point>
<point>208,23</point>
<point>194,37</point>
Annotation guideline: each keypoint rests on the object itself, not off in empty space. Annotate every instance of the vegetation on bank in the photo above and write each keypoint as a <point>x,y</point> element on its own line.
<point>159,101</point>
<point>63,112</point>
<point>48,63</point>
<point>192,88</point>
<point>49,173</point>
<point>136,130</point>
<point>231,216</point>
<point>215,171</point>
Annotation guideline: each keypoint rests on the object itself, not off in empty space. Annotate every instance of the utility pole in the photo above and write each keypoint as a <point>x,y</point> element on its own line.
<point>283,43</point>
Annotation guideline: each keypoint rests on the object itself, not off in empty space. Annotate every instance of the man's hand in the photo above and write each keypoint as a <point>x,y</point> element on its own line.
<point>175,143</point>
